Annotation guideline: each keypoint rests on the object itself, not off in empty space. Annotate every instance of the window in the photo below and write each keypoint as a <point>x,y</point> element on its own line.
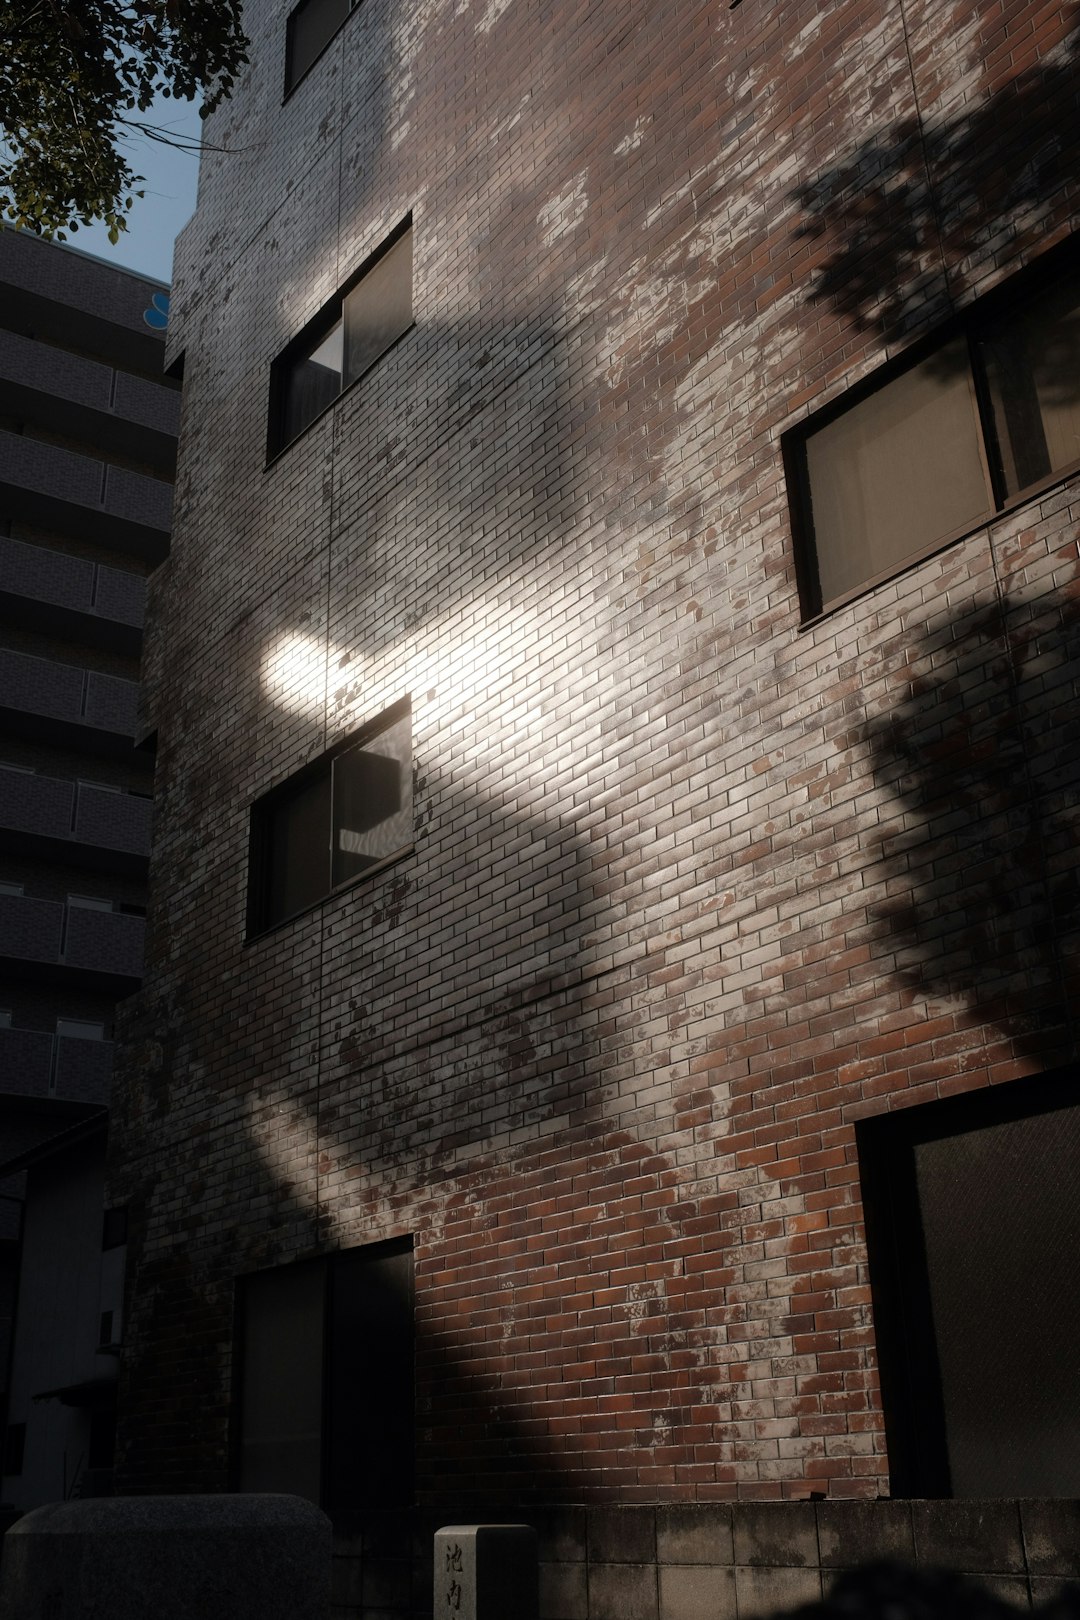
<point>14,1448</point>
<point>937,448</point>
<point>325,1353</point>
<point>336,821</point>
<point>343,342</point>
<point>311,27</point>
<point>973,1237</point>
<point>80,1029</point>
<point>114,1227</point>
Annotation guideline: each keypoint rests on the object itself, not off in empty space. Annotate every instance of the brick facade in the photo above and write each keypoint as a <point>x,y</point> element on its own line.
<point>694,888</point>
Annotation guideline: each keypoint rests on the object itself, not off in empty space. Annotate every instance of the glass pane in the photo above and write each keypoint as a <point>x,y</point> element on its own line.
<point>299,850</point>
<point>897,472</point>
<point>312,382</point>
<point>379,308</point>
<point>80,1029</point>
<point>1001,1223</point>
<point>281,1402</point>
<point>311,28</point>
<point>1033,368</point>
<point>370,1440</point>
<point>373,801</point>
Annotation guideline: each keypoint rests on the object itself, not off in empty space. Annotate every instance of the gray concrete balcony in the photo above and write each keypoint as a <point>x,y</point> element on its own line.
<point>81,303</point>
<point>79,823</point>
<point>26,1057</point>
<point>71,392</point>
<point>49,590</point>
<point>67,705</point>
<point>104,939</point>
<point>82,1070</point>
<point>34,1063</point>
<point>70,944</point>
<point>80,495</point>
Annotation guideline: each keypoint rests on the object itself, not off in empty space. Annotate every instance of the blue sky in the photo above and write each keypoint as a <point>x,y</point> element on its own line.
<point>171,181</point>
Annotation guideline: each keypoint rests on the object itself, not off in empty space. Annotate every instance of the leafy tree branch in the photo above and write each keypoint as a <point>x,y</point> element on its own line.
<point>75,73</point>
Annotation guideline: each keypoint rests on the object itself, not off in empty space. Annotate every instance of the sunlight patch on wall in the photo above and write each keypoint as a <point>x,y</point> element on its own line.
<point>294,673</point>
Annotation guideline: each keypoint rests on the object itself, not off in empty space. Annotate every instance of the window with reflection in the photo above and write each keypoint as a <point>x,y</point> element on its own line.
<point>940,446</point>
<point>343,342</point>
<point>335,822</point>
<point>311,27</point>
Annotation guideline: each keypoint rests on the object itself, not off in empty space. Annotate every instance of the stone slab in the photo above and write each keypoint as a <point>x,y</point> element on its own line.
<point>228,1557</point>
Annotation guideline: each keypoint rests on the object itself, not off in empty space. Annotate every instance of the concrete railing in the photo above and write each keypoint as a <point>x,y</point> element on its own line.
<point>63,581</point>
<point>63,375</point>
<point>34,1063</point>
<point>33,930</point>
<point>66,475</point>
<point>80,811</point>
<point>65,692</point>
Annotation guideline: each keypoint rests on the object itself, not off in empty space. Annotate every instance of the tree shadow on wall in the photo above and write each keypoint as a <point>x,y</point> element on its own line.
<point>896,1591</point>
<point>982,865</point>
<point>915,203</point>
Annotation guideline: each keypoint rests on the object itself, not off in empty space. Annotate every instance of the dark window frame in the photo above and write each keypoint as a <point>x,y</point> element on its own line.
<point>973,326</point>
<point>263,810</point>
<point>308,338</point>
<point>327,1263</point>
<point>14,1460</point>
<point>291,83</point>
<point>114,1227</point>
<point>912,1395</point>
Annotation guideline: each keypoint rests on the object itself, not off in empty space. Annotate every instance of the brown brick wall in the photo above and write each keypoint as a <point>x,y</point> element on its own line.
<point>693,890</point>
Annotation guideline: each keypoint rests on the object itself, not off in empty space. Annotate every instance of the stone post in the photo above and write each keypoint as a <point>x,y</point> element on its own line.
<point>485,1572</point>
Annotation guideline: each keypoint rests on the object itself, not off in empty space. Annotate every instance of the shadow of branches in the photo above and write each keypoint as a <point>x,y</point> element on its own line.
<point>915,202</point>
<point>982,863</point>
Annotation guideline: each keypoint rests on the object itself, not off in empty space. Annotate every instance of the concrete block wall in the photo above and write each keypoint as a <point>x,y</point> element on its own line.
<point>743,1561</point>
<point>690,894</point>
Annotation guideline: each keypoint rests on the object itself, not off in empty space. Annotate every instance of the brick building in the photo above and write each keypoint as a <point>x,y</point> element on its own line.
<point>87,456</point>
<point>608,1025</point>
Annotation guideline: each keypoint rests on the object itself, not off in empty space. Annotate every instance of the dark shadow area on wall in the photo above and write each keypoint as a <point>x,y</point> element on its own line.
<point>983,757</point>
<point>499,1320</point>
<point>927,197</point>
<point>897,1591</point>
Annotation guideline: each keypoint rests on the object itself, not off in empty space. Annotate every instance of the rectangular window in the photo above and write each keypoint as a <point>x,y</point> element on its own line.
<point>340,818</point>
<point>14,1448</point>
<point>80,1029</point>
<point>939,447</point>
<point>343,342</point>
<point>973,1237</point>
<point>326,1379</point>
<point>311,27</point>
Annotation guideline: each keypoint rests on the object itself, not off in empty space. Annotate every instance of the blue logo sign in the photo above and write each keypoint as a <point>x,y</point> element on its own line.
<point>157,315</point>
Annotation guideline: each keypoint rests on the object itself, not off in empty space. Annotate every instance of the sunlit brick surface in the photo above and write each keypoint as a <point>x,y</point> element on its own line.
<point>692,889</point>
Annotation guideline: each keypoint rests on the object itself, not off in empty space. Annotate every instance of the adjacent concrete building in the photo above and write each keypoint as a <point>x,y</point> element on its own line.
<point>87,455</point>
<point>609,1026</point>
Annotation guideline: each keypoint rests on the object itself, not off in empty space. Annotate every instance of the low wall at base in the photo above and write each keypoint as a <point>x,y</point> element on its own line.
<point>737,1561</point>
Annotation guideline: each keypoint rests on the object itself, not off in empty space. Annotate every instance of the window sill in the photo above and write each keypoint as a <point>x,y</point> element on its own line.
<point>1033,492</point>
